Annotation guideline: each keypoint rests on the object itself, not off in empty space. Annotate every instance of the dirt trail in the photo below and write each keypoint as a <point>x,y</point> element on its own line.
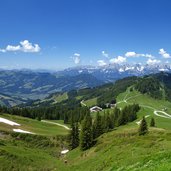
<point>64,126</point>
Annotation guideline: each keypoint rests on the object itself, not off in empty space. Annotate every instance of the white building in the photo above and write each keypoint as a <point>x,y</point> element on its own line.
<point>96,109</point>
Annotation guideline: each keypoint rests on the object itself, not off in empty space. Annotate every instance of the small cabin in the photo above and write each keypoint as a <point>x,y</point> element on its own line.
<point>96,109</point>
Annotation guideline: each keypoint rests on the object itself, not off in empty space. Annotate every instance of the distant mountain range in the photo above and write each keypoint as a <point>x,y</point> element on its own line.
<point>24,85</point>
<point>112,73</point>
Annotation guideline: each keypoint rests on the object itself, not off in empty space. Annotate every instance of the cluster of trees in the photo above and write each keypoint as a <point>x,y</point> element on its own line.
<point>150,86</point>
<point>93,128</point>
<point>51,113</point>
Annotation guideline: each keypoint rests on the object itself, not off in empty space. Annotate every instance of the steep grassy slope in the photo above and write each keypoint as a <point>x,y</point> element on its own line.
<point>40,151</point>
<point>24,152</point>
<point>124,151</point>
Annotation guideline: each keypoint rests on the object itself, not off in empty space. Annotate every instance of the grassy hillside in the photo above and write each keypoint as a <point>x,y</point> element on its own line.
<point>148,106</point>
<point>29,152</point>
<point>6,100</point>
<point>91,102</point>
<point>33,125</point>
<point>124,151</point>
<point>40,151</point>
<point>121,149</point>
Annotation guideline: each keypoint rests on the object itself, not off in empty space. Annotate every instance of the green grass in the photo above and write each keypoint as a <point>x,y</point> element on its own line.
<point>79,97</point>
<point>141,99</point>
<point>30,153</point>
<point>91,102</point>
<point>118,150</point>
<point>61,97</point>
<point>125,151</point>
<point>32,125</point>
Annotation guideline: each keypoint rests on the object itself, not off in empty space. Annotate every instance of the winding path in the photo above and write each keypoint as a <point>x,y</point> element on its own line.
<point>156,112</point>
<point>82,102</point>
<point>64,126</point>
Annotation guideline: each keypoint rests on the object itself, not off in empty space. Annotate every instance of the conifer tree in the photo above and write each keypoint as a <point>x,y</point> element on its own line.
<point>152,123</point>
<point>112,121</point>
<point>77,140</point>
<point>106,122</point>
<point>121,119</point>
<point>74,136</point>
<point>143,129</point>
<point>97,126</point>
<point>86,136</point>
<point>116,113</point>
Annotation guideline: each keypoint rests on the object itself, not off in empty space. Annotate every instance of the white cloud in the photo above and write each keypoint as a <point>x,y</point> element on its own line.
<point>76,58</point>
<point>118,60</point>
<point>149,55</point>
<point>130,54</point>
<point>24,46</point>
<point>13,48</point>
<point>105,54</point>
<point>101,63</point>
<point>153,61</point>
<point>164,54</point>
<point>134,54</point>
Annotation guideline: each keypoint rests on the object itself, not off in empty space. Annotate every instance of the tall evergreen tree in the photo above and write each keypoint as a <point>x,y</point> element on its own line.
<point>116,114</point>
<point>152,123</point>
<point>97,126</point>
<point>143,129</point>
<point>74,136</point>
<point>77,140</point>
<point>86,136</point>
<point>112,121</point>
<point>121,119</point>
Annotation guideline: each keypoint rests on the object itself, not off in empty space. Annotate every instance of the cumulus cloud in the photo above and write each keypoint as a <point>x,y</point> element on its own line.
<point>24,46</point>
<point>105,54</point>
<point>118,60</point>
<point>13,48</point>
<point>164,54</point>
<point>153,61</point>
<point>76,58</point>
<point>134,54</point>
<point>101,63</point>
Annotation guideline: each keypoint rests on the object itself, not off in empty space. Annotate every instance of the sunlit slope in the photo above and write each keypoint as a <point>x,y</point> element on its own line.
<point>33,125</point>
<point>159,109</point>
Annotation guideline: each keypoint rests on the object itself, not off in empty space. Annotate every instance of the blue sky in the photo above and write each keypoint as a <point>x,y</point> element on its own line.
<point>56,34</point>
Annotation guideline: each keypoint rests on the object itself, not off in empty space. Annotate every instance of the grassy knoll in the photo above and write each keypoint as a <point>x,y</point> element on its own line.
<point>61,97</point>
<point>32,125</point>
<point>91,102</point>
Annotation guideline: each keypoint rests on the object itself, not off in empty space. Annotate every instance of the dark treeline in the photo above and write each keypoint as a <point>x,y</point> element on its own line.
<point>51,113</point>
<point>93,128</point>
<point>150,86</point>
